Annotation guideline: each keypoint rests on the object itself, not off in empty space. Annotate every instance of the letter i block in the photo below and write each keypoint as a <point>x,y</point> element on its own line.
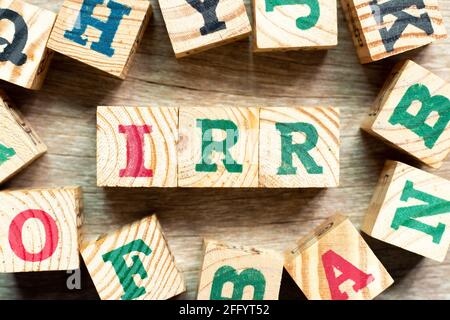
<point>104,34</point>
<point>218,147</point>
<point>335,263</point>
<point>383,28</point>
<point>24,32</point>
<point>198,25</point>
<point>294,24</point>
<point>299,147</point>
<point>133,263</point>
<point>410,209</point>
<point>237,273</point>
<point>19,144</point>
<point>412,113</point>
<point>39,229</point>
<point>136,147</point>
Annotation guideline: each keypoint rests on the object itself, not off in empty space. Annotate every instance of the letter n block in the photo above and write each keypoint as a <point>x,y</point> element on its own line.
<point>198,25</point>
<point>383,28</point>
<point>237,273</point>
<point>136,147</point>
<point>24,32</point>
<point>294,24</point>
<point>104,34</point>
<point>39,229</point>
<point>334,262</point>
<point>410,209</point>
<point>218,147</point>
<point>133,263</point>
<point>299,147</point>
<point>412,113</point>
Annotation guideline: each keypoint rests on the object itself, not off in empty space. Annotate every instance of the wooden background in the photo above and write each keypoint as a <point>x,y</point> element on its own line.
<point>63,113</point>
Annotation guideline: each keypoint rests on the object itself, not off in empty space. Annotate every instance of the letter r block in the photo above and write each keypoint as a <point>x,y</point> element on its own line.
<point>412,113</point>
<point>333,262</point>
<point>133,263</point>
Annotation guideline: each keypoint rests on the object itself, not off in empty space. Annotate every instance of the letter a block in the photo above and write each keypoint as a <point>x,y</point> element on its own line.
<point>237,273</point>
<point>39,229</point>
<point>410,209</point>
<point>335,263</point>
<point>134,262</point>
<point>101,33</point>
<point>218,147</point>
<point>299,147</point>
<point>294,24</point>
<point>136,147</point>
<point>198,25</point>
<point>24,32</point>
<point>383,28</point>
<point>412,113</point>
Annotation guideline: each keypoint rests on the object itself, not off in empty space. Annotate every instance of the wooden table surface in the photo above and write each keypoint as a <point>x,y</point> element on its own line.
<point>63,114</point>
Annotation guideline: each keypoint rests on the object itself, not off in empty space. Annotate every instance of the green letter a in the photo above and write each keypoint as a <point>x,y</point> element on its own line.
<point>6,153</point>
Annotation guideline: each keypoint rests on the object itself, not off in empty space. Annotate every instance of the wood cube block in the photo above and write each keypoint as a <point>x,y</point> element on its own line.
<point>104,34</point>
<point>236,273</point>
<point>294,24</point>
<point>133,263</point>
<point>410,209</point>
<point>19,143</point>
<point>218,147</point>
<point>383,28</point>
<point>198,25</point>
<point>24,32</point>
<point>299,147</point>
<point>137,147</point>
<point>39,229</point>
<point>412,113</point>
<point>335,263</point>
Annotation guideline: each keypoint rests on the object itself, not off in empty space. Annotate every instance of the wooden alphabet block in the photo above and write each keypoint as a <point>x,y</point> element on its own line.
<point>24,32</point>
<point>218,147</point>
<point>410,209</point>
<point>335,263</point>
<point>294,24</point>
<point>412,113</point>
<point>133,263</point>
<point>383,28</point>
<point>237,273</point>
<point>299,147</point>
<point>39,229</point>
<point>19,144</point>
<point>197,25</point>
<point>137,147</point>
<point>104,34</point>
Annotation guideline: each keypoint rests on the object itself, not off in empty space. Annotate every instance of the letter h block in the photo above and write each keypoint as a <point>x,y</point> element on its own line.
<point>133,263</point>
<point>334,262</point>
<point>410,209</point>
<point>237,273</point>
<point>412,113</point>
<point>104,34</point>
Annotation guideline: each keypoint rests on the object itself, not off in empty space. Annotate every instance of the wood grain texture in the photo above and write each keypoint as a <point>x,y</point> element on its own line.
<point>64,115</point>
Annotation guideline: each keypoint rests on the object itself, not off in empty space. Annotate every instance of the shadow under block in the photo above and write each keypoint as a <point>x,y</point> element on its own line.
<point>104,34</point>
<point>237,273</point>
<point>218,147</point>
<point>137,147</point>
<point>19,144</point>
<point>40,229</point>
<point>335,263</point>
<point>134,262</point>
<point>24,32</point>
<point>410,209</point>
<point>381,29</point>
<point>412,113</point>
<point>299,147</point>
<point>198,25</point>
<point>294,24</point>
